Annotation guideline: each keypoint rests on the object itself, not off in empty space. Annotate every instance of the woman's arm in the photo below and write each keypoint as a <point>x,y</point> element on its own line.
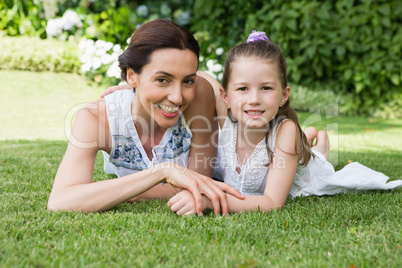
<point>73,188</point>
<point>279,181</point>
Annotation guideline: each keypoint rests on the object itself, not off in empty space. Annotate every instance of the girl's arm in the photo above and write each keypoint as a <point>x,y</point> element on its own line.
<point>73,188</point>
<point>279,181</point>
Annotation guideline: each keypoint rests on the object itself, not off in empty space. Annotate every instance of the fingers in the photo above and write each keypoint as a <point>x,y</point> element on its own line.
<point>107,92</point>
<point>182,204</point>
<point>229,189</point>
<point>193,188</point>
<point>110,90</point>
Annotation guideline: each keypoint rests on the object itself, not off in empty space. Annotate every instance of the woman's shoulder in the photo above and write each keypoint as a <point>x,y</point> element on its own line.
<point>203,98</point>
<point>91,119</point>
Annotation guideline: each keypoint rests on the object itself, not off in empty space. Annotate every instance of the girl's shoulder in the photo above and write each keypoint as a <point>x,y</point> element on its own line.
<point>288,136</point>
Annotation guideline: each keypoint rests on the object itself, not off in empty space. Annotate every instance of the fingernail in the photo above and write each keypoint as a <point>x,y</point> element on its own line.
<point>200,214</point>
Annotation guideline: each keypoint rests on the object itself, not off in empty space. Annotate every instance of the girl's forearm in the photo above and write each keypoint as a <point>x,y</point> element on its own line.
<point>250,203</point>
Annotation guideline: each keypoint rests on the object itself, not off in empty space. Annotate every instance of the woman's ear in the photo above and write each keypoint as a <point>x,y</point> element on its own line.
<point>132,77</point>
<point>285,95</point>
<point>224,97</point>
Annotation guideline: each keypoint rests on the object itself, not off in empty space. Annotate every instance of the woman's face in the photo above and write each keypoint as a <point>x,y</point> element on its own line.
<point>165,87</point>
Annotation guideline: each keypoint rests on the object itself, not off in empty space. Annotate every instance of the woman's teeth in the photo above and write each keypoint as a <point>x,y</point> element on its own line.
<point>168,109</point>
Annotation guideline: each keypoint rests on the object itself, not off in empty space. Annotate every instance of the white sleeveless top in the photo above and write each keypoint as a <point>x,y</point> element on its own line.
<point>127,155</point>
<point>317,178</point>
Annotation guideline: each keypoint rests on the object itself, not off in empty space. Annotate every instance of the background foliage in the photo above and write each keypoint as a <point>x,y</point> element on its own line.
<point>349,47</point>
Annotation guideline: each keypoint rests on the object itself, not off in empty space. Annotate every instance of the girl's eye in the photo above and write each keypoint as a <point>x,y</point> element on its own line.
<point>188,81</point>
<point>266,88</point>
<point>242,89</point>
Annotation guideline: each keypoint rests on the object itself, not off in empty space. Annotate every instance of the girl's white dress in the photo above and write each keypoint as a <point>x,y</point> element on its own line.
<point>317,178</point>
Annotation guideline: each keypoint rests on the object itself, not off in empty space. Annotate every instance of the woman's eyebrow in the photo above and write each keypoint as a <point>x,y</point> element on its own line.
<point>171,75</point>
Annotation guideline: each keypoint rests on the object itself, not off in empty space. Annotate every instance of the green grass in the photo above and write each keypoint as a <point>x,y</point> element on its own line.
<point>332,231</point>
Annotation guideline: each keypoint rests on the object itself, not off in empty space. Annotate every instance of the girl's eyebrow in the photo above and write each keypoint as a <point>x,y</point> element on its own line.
<point>171,75</point>
<point>246,83</point>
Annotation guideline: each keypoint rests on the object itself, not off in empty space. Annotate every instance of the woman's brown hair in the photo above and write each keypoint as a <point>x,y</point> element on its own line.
<point>152,36</point>
<point>271,52</point>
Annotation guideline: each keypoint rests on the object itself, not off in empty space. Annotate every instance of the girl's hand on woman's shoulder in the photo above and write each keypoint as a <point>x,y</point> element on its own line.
<point>112,89</point>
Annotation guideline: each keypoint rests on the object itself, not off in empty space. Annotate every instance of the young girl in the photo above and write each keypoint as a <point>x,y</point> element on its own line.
<point>263,152</point>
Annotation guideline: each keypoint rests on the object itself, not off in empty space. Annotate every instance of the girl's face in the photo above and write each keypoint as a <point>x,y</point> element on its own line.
<point>254,92</point>
<point>165,87</point>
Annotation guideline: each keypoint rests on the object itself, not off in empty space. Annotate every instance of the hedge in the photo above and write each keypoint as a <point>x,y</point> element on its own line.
<point>34,54</point>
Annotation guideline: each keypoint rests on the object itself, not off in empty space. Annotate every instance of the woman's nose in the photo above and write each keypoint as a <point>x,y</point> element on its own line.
<point>175,95</point>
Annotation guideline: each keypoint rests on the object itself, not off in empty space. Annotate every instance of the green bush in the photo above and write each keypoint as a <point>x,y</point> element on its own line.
<point>347,46</point>
<point>34,54</point>
<point>22,18</point>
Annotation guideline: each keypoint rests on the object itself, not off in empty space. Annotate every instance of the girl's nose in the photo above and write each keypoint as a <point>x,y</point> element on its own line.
<point>254,97</point>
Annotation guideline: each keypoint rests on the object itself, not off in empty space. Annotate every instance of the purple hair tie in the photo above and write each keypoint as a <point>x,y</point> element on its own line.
<point>257,36</point>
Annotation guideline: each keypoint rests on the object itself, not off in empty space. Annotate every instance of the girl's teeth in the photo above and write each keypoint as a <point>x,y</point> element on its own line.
<point>168,109</point>
<point>253,113</point>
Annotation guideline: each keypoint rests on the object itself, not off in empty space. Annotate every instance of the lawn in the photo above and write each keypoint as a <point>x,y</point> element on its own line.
<point>355,230</point>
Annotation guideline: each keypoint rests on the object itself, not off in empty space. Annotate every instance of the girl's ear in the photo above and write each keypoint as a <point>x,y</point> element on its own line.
<point>224,97</point>
<point>132,77</point>
<point>285,95</point>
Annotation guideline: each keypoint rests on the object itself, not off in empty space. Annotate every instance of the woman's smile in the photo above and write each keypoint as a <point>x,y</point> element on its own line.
<point>169,111</point>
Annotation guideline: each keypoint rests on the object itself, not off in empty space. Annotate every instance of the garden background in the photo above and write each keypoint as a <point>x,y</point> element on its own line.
<point>345,71</point>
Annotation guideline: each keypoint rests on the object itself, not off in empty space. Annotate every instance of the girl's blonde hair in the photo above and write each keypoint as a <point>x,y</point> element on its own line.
<point>271,52</point>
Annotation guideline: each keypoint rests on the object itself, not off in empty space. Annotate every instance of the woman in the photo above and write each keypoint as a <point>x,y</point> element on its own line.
<point>151,134</point>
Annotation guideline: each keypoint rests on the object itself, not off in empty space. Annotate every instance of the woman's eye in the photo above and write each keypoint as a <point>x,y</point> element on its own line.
<point>188,81</point>
<point>162,80</point>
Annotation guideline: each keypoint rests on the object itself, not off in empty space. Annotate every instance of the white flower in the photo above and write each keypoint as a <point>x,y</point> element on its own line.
<point>70,19</point>
<point>100,52</point>
<point>128,40</point>
<point>210,63</point>
<point>54,27</point>
<point>117,48</point>
<point>219,51</point>
<point>100,43</point>
<point>114,70</point>
<point>220,76</point>
<point>96,63</point>
<point>107,58</point>
<point>86,43</point>
<point>108,46</point>
<point>86,67</point>
<point>85,58</point>
<point>217,68</point>
<point>90,50</point>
